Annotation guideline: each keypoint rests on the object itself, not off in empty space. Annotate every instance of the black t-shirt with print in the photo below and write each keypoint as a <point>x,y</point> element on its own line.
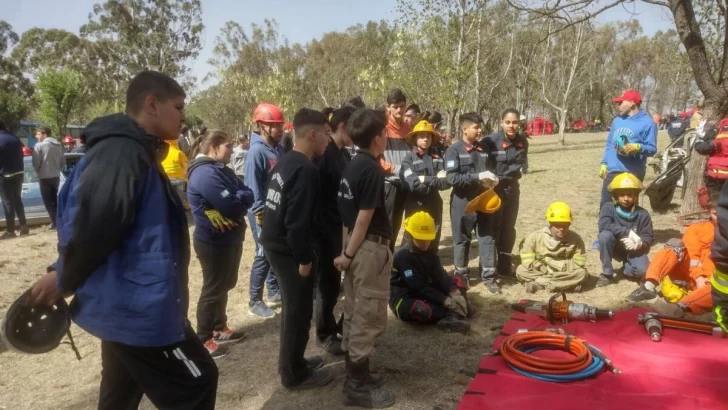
<point>362,187</point>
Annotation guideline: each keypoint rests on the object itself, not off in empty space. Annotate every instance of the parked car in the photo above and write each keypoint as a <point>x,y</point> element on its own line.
<point>35,211</point>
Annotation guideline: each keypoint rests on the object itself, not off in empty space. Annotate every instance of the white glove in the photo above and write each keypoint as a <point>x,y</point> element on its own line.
<point>636,239</point>
<point>442,174</point>
<point>487,175</point>
<point>422,179</point>
<point>628,244</point>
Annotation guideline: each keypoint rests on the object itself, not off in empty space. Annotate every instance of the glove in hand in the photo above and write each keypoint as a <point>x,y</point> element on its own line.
<point>220,222</point>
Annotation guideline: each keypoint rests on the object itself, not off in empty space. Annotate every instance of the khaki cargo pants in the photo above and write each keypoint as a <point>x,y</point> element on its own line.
<point>552,280</point>
<point>366,291</point>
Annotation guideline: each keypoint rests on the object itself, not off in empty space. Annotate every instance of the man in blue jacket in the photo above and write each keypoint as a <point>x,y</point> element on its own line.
<point>124,250</point>
<point>631,140</point>
<point>11,181</point>
<point>263,155</point>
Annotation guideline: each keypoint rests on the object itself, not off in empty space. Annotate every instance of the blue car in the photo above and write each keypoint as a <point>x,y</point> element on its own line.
<point>35,211</point>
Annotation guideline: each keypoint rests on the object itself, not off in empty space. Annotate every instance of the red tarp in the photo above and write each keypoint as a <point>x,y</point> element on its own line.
<point>579,125</point>
<point>540,126</point>
<point>684,371</point>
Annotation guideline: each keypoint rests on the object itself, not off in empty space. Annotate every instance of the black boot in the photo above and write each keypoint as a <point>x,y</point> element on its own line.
<point>453,323</point>
<point>376,379</point>
<point>358,391</point>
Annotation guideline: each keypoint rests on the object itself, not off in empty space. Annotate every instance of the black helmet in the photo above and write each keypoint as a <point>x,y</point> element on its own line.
<point>35,329</point>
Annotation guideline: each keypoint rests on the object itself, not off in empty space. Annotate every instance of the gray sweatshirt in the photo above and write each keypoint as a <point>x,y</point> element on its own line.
<point>48,158</point>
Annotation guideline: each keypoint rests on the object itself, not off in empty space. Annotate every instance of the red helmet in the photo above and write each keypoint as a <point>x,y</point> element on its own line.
<point>27,152</point>
<point>268,114</point>
<point>68,139</point>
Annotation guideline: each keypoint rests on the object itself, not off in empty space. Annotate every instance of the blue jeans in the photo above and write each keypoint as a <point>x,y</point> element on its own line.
<point>635,263</point>
<point>260,272</point>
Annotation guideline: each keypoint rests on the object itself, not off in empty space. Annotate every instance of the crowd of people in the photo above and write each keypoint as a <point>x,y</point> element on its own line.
<point>329,204</point>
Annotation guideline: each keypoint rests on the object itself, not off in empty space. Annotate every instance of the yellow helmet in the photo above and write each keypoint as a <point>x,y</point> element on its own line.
<point>421,226</point>
<point>558,212</point>
<point>488,203</point>
<point>625,180</point>
<point>425,127</point>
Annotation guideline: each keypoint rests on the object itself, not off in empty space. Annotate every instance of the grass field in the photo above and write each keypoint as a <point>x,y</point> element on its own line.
<point>421,364</point>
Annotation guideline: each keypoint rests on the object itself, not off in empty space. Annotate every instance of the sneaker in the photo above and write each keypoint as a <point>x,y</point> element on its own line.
<point>493,288</point>
<point>333,346</point>
<point>8,235</point>
<point>276,299</point>
<point>641,294</point>
<point>227,335</point>
<point>533,287</point>
<point>260,309</point>
<point>314,362</point>
<point>216,351</point>
<point>605,280</point>
<point>24,231</point>
<point>317,378</point>
<point>453,324</point>
<point>594,246</point>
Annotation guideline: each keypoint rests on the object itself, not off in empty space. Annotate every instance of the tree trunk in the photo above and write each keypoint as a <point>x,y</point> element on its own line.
<point>562,126</point>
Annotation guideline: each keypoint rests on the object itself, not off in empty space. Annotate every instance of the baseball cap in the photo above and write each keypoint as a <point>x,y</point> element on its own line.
<point>629,95</point>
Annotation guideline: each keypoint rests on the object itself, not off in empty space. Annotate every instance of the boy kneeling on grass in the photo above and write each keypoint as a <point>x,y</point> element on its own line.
<point>553,258</point>
<point>421,290</point>
<point>625,231</point>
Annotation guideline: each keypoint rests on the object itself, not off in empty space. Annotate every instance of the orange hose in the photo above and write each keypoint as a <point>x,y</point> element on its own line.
<point>530,363</point>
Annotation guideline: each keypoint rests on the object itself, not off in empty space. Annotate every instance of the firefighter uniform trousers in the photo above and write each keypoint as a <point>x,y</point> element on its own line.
<point>463,163</point>
<point>556,265</point>
<point>665,263</point>
<point>366,292</point>
<point>719,293</point>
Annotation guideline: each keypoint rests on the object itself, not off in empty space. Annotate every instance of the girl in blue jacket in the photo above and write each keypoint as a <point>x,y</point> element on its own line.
<point>219,202</point>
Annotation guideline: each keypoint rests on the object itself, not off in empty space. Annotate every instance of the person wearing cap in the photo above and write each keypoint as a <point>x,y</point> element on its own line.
<point>553,258</point>
<point>465,165</point>
<point>264,153</point>
<point>509,149</point>
<point>423,176</point>
<point>631,140</point>
<point>625,231</point>
<point>420,289</point>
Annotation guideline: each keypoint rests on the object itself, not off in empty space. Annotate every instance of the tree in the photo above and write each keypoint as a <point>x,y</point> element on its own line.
<point>702,28</point>
<point>59,94</point>
<point>13,109</point>
<point>130,36</point>
<point>11,77</point>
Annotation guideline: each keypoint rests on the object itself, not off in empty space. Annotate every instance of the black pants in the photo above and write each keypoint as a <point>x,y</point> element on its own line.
<point>220,264</point>
<point>11,189</point>
<point>506,226</point>
<point>180,376</point>
<point>329,284</point>
<point>394,198</point>
<point>49,193</point>
<point>297,295</point>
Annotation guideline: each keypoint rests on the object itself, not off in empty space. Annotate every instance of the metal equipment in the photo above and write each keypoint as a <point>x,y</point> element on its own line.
<point>654,323</point>
<point>562,310</point>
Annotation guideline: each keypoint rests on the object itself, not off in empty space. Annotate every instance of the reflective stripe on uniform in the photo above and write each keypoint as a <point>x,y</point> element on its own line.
<point>527,257</point>
<point>396,308</point>
<point>720,281</point>
<point>720,319</point>
<point>579,260</point>
<point>695,263</point>
<point>465,156</point>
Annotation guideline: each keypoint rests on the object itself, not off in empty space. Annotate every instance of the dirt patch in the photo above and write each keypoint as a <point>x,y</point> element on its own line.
<point>422,364</point>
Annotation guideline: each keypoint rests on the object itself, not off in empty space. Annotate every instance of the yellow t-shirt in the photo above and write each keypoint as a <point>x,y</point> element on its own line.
<point>175,164</point>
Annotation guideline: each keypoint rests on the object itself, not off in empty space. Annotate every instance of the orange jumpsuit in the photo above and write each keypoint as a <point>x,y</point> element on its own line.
<point>697,263</point>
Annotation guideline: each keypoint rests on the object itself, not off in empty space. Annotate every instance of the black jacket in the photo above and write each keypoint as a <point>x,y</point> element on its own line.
<point>419,275</point>
<point>508,156</point>
<point>463,163</point>
<point>11,154</point>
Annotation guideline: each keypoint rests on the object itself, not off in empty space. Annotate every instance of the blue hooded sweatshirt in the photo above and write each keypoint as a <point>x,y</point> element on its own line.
<point>212,185</point>
<point>260,160</point>
<point>639,129</point>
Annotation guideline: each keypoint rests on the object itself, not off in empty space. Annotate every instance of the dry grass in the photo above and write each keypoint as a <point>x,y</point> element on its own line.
<point>421,364</point>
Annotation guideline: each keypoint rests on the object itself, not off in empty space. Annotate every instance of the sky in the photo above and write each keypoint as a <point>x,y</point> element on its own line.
<point>299,20</point>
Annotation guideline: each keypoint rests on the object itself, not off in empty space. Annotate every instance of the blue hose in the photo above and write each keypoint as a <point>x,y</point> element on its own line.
<point>592,370</point>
